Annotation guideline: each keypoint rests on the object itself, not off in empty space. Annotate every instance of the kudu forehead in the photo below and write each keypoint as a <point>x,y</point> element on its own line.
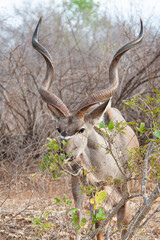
<point>70,126</point>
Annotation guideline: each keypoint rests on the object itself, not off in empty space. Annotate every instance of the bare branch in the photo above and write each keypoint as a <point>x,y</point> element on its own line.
<point>143,212</point>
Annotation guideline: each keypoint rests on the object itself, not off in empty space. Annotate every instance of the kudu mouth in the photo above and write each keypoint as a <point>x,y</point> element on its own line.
<point>67,157</point>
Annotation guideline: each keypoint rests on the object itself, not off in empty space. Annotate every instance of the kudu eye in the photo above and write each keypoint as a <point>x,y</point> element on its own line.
<point>58,129</point>
<point>81,130</point>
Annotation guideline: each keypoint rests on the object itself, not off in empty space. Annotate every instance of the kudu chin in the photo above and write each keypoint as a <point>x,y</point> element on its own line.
<point>84,142</point>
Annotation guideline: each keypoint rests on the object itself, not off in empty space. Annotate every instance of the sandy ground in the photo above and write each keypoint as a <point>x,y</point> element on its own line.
<point>28,210</point>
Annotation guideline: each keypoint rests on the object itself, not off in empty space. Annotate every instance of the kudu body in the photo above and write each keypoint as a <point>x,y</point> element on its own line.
<point>84,142</point>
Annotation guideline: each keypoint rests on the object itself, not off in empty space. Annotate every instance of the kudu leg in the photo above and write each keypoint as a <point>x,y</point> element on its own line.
<point>100,235</point>
<point>78,199</point>
<point>123,218</point>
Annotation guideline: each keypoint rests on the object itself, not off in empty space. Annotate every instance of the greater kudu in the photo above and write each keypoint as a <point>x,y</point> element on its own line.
<point>78,129</point>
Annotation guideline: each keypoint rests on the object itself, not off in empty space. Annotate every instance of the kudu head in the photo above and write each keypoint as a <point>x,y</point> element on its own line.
<point>76,127</point>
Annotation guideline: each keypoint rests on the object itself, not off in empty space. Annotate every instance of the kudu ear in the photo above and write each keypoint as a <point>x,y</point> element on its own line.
<point>55,112</point>
<point>96,116</point>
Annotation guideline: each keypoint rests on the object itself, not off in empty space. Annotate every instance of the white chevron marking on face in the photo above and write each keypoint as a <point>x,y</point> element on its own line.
<point>67,159</point>
<point>67,137</point>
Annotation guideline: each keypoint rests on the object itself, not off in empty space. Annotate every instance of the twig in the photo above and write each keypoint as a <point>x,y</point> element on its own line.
<point>155,211</point>
<point>107,237</point>
<point>4,200</point>
<point>73,174</point>
<point>21,210</point>
<point>111,152</point>
<point>134,196</point>
<point>145,166</point>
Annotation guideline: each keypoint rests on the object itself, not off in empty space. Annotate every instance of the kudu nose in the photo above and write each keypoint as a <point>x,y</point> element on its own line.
<point>64,134</point>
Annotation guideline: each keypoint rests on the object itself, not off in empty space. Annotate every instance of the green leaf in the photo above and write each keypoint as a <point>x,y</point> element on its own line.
<point>84,220</point>
<point>73,209</point>
<point>84,172</point>
<point>118,180</point>
<point>152,162</point>
<point>40,232</point>
<point>56,147</point>
<point>64,198</point>
<point>42,167</point>
<point>58,175</point>
<point>57,200</point>
<point>100,216</point>
<point>75,217</point>
<point>94,219</point>
<point>151,99</point>
<point>62,156</point>
<point>156,90</point>
<point>47,225</point>
<point>131,123</point>
<point>102,124</point>
<point>141,128</point>
<point>78,227</point>
<point>100,196</point>
<point>53,174</point>
<point>64,143</point>
<point>69,202</point>
<point>111,125</point>
<point>49,139</point>
<point>157,134</point>
<point>37,220</point>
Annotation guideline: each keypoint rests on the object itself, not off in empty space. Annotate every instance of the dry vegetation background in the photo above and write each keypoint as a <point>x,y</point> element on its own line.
<point>82,49</point>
